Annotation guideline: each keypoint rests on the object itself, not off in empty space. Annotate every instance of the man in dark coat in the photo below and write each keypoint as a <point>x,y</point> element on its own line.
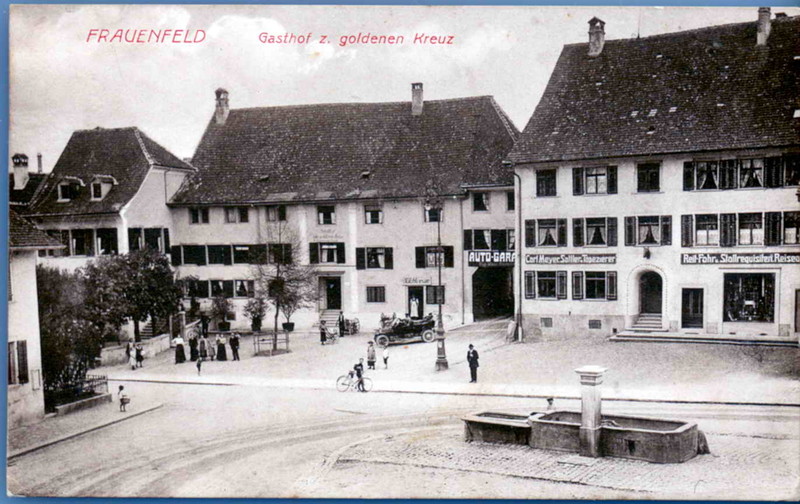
<point>472,359</point>
<point>235,346</point>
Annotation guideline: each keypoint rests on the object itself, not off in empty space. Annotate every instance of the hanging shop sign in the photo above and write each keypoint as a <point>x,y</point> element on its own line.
<point>737,258</point>
<point>491,258</point>
<point>571,259</point>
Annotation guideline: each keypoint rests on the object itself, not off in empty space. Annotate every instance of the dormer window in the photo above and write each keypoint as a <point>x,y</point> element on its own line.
<point>67,191</point>
<point>97,191</point>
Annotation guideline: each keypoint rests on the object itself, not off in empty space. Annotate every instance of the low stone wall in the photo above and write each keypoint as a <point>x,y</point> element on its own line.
<point>111,356</point>
<point>90,402</point>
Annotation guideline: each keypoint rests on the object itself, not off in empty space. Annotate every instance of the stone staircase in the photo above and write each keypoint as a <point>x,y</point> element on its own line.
<point>647,322</point>
<point>329,316</point>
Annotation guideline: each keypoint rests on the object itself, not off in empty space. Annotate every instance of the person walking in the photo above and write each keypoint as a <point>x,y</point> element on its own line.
<point>341,323</point>
<point>324,332</point>
<point>359,369</point>
<point>180,353</point>
<point>199,365</point>
<point>123,398</point>
<point>386,357</point>
<point>371,355</point>
<point>235,346</point>
<point>202,346</point>
<point>139,355</point>
<point>222,354</point>
<point>472,359</point>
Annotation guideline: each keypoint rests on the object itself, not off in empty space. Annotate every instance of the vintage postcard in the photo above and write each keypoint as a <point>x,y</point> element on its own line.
<point>404,252</point>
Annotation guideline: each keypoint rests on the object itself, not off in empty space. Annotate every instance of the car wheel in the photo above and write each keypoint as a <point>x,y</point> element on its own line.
<point>428,336</point>
<point>382,340</point>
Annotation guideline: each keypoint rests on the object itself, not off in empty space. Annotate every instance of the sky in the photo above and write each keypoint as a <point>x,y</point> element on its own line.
<point>60,82</point>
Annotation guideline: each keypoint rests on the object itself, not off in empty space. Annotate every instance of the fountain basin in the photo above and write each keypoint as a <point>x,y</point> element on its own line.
<point>493,427</point>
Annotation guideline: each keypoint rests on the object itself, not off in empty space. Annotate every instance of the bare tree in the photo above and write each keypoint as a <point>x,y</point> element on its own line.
<point>279,274</point>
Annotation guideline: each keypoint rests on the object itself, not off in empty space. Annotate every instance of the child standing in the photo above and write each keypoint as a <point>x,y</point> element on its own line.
<point>123,399</point>
<point>386,357</point>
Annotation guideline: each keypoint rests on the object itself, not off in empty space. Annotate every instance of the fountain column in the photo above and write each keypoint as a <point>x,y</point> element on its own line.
<point>591,379</point>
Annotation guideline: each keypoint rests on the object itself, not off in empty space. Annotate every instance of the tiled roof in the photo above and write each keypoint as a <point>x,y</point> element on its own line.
<point>22,197</point>
<point>23,234</point>
<point>126,154</point>
<point>698,90</point>
<point>350,151</point>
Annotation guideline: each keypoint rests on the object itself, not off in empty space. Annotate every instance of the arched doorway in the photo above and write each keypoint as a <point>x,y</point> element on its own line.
<point>651,289</point>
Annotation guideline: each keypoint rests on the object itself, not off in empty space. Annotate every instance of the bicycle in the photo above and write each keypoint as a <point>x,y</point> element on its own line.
<point>350,382</point>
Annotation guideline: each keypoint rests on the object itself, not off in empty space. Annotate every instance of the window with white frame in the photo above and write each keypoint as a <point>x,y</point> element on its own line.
<point>327,253</point>
<point>594,232</point>
<point>648,230</point>
<point>433,257</point>
<point>480,202</point>
<point>751,229</point>
<point>481,239</point>
<point>434,294</point>
<point>235,215</point>
<point>17,362</point>
<point>594,285</point>
<point>546,284</point>
<point>648,177</point>
<point>244,288</point>
<point>97,190</point>
<point>751,173</point>
<point>706,229</point>
<point>373,214</point>
<point>376,257</point>
<point>791,228</point>
<point>433,214</point>
<point>198,216</point>
<point>545,183</point>
<point>546,233</point>
<point>511,239</point>
<point>68,191</point>
<point>276,213</point>
<point>376,294</point>
<point>326,214</point>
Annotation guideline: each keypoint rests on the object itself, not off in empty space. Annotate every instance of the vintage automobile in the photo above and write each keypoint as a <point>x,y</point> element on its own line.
<point>394,330</point>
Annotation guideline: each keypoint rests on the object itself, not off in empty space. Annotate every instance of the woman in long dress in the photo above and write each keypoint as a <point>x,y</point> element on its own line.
<point>180,353</point>
<point>221,352</point>
<point>193,348</point>
<point>203,346</point>
<point>132,357</point>
<point>211,348</point>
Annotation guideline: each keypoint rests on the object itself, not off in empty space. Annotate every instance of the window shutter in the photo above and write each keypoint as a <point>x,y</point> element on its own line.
<point>448,257</point>
<point>134,235</point>
<point>611,183</point>
<point>388,258</point>
<point>313,253</point>
<point>467,239</point>
<point>530,285</point>
<point>666,230</point>
<point>727,231</point>
<point>687,230</point>
<point>498,239</point>
<point>611,223</point>
<point>175,254</point>
<point>22,361</point>
<point>773,166</point>
<point>577,181</point>
<point>361,258</point>
<point>577,285</point>
<point>258,253</point>
<point>611,285</point>
<point>773,231</point>
<point>561,225</point>
<point>340,258</point>
<point>630,231</point>
<point>688,176</point>
<point>530,233</point>
<point>419,252</point>
<point>281,212</point>
<point>166,239</point>
<point>561,284</point>
<point>577,232</point>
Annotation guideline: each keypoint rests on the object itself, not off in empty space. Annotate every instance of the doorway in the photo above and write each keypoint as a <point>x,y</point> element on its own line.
<point>333,293</point>
<point>492,292</point>
<point>415,305</point>
<point>692,308</point>
<point>650,291</point>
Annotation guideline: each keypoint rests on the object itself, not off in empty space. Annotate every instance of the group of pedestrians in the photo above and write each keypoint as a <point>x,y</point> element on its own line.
<point>135,354</point>
<point>203,348</point>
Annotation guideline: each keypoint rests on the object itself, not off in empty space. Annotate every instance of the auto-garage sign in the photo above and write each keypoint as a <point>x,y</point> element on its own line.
<point>485,258</point>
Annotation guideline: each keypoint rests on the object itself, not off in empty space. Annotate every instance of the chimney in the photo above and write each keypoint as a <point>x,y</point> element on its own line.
<point>764,26</point>
<point>416,99</point>
<point>39,163</point>
<point>597,36</point>
<point>20,171</point>
<point>221,114</point>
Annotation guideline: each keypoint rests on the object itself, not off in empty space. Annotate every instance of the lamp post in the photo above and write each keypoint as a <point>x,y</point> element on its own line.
<point>435,203</point>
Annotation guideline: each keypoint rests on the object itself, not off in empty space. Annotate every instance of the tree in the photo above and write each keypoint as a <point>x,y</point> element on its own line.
<point>255,309</point>
<point>151,289</point>
<point>289,284</point>
<point>220,306</point>
<point>106,305</point>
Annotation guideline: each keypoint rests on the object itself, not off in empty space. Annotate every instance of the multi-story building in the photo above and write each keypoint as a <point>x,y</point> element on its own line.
<point>107,195</point>
<point>659,185</point>
<point>25,393</point>
<point>364,192</point>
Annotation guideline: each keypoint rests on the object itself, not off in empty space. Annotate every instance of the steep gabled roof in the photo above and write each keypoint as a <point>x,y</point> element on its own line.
<point>21,198</point>
<point>350,151</point>
<point>698,90</point>
<point>126,154</point>
<point>24,235</point>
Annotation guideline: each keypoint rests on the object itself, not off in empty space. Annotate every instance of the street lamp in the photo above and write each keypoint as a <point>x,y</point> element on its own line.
<point>435,203</point>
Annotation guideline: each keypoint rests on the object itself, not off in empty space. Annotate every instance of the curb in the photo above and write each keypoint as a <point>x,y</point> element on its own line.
<point>489,394</point>
<point>34,448</point>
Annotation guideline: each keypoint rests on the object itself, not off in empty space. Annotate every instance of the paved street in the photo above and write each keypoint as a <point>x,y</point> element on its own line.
<point>280,430</point>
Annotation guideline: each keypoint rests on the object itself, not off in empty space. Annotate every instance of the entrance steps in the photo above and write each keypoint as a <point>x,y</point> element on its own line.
<point>647,322</point>
<point>329,316</point>
<point>720,339</point>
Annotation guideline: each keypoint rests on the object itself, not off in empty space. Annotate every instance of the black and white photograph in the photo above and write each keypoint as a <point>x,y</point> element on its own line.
<point>404,252</point>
